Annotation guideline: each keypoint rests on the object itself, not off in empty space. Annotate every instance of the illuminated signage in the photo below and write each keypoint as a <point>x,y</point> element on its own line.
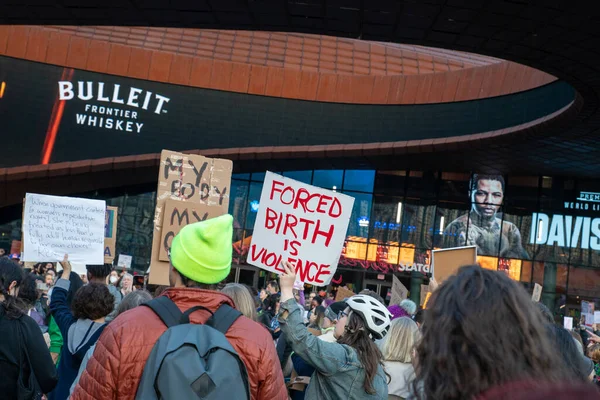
<point>587,201</point>
<point>566,231</point>
<point>108,111</point>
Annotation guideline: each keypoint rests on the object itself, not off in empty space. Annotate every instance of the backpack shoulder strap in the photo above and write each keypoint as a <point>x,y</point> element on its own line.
<point>223,318</point>
<point>166,310</point>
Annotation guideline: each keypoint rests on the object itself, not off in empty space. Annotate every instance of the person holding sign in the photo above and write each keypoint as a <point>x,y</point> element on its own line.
<point>351,368</point>
<point>80,325</point>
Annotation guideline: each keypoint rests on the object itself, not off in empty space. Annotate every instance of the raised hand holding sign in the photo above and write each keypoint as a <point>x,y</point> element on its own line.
<point>301,224</point>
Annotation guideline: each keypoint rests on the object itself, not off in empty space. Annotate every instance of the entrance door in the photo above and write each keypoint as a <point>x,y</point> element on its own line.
<point>382,288</point>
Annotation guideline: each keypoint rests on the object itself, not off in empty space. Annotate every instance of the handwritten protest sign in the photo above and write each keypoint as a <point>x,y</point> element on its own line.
<point>179,214</point>
<point>124,261</point>
<point>446,262</point>
<point>302,224</point>
<point>537,292</point>
<point>568,323</point>
<point>424,291</point>
<point>587,311</point>
<point>54,226</point>
<point>110,234</point>
<point>343,293</point>
<point>191,179</point>
<point>399,291</point>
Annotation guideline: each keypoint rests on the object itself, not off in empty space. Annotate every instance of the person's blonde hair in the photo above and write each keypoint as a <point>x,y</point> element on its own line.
<point>400,340</point>
<point>242,299</point>
<point>594,353</point>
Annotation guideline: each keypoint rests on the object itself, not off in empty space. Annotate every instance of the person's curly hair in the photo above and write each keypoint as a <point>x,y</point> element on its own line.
<point>92,301</point>
<point>482,330</point>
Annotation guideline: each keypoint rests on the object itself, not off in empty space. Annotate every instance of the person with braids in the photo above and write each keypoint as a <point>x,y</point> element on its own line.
<point>23,351</point>
<point>350,369</point>
<point>483,338</point>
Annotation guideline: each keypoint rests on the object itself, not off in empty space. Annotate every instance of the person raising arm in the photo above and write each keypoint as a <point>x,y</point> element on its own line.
<point>351,368</point>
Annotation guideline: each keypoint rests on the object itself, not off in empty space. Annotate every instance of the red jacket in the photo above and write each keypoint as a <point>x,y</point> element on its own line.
<point>115,369</point>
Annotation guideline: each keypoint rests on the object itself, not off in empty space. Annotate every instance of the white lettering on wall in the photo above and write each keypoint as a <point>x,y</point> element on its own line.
<point>90,91</point>
<point>565,231</point>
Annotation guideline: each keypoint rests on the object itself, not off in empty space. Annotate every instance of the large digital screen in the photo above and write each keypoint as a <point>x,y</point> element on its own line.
<point>52,114</point>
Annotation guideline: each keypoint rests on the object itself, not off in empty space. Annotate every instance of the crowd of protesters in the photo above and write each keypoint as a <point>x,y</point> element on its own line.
<point>481,336</point>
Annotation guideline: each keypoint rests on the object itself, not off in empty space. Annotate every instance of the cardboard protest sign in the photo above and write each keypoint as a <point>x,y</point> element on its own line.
<point>302,224</point>
<point>568,323</point>
<point>445,262</point>
<point>124,261</point>
<point>427,297</point>
<point>424,291</point>
<point>399,291</point>
<point>186,178</point>
<point>537,293</point>
<point>54,226</point>
<point>587,312</point>
<point>343,293</point>
<point>178,214</point>
<point>110,234</point>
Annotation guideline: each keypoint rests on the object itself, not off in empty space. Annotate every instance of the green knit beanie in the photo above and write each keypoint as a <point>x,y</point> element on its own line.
<point>202,251</point>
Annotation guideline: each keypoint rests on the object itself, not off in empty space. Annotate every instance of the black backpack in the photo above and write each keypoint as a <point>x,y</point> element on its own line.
<point>193,361</point>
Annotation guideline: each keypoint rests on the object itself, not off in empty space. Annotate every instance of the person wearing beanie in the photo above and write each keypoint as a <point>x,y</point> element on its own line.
<point>409,306</point>
<point>398,311</point>
<point>200,258</point>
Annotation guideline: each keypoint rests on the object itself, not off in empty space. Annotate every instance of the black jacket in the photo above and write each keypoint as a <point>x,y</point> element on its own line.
<point>12,353</point>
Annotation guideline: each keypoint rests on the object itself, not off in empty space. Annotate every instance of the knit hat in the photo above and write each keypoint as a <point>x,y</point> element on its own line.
<point>397,311</point>
<point>202,251</point>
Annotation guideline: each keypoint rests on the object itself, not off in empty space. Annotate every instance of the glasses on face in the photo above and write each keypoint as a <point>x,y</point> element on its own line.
<point>342,314</point>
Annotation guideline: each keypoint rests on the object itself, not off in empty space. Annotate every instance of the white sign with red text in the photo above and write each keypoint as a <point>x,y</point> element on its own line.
<point>302,224</point>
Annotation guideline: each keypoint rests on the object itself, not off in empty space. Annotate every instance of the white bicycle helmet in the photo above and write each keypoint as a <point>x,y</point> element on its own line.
<point>376,315</point>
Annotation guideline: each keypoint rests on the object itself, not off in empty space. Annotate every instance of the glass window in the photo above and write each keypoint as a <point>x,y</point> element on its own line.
<point>253,204</point>
<point>361,215</point>
<point>245,177</point>
<point>359,180</point>
<point>454,187</point>
<point>584,282</point>
<point>526,272</point>
<point>511,267</point>
<point>484,227</point>
<point>518,228</point>
<point>386,219</point>
<point>390,183</point>
<point>450,228</point>
<point>134,227</point>
<point>302,176</point>
<point>417,224</point>
<point>520,203</point>
<point>355,248</point>
<point>422,185</point>
<point>237,202</point>
<point>328,179</point>
<point>258,176</point>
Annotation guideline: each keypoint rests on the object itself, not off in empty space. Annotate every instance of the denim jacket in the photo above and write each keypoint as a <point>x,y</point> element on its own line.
<point>338,371</point>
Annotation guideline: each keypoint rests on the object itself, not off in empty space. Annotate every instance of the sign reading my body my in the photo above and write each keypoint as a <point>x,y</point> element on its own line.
<point>178,214</point>
<point>302,224</point>
<point>188,186</point>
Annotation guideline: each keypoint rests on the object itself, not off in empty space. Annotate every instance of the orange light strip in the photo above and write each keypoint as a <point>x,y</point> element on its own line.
<point>55,119</point>
<point>2,88</point>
